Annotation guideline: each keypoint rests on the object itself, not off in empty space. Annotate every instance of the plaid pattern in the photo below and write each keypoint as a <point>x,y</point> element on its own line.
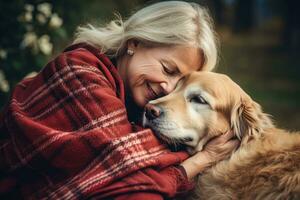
<point>65,135</point>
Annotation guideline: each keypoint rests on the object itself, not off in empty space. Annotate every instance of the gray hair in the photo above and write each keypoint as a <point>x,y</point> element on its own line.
<point>161,24</point>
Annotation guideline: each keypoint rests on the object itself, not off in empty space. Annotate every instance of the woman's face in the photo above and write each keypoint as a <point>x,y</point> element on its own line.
<point>154,72</point>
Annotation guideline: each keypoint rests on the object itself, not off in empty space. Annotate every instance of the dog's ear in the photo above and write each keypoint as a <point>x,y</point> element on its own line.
<point>247,119</point>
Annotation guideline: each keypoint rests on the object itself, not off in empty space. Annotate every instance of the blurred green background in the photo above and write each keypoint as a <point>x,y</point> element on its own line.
<point>259,43</point>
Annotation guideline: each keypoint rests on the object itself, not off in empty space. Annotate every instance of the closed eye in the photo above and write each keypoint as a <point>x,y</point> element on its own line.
<point>198,99</point>
<point>167,70</point>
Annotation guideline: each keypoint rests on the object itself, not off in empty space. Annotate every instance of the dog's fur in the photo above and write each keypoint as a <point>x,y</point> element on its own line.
<point>206,104</point>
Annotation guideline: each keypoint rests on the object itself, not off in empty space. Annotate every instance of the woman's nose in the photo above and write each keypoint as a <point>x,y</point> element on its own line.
<point>168,86</point>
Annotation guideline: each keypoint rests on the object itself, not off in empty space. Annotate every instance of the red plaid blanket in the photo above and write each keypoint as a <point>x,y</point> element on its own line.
<point>65,135</point>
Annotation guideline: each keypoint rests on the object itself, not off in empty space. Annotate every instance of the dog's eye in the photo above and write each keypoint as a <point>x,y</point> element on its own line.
<point>197,99</point>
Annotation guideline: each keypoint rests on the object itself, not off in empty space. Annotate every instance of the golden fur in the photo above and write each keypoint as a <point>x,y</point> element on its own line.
<point>267,164</point>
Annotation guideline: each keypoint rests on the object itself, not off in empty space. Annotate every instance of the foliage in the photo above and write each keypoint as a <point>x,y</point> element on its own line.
<point>28,31</point>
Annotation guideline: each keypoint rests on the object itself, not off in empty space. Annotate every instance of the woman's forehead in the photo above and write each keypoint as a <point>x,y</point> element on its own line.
<point>187,59</point>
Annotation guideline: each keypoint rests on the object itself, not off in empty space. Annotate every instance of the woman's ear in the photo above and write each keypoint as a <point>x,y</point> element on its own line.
<point>247,119</point>
<point>132,44</point>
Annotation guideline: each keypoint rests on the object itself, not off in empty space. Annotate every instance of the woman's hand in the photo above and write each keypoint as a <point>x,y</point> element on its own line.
<point>215,150</point>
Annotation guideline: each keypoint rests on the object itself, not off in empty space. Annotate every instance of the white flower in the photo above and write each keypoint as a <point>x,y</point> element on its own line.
<point>45,45</point>
<point>4,86</point>
<point>41,18</point>
<point>28,16</point>
<point>3,54</point>
<point>29,40</point>
<point>55,21</point>
<point>28,7</point>
<point>45,8</point>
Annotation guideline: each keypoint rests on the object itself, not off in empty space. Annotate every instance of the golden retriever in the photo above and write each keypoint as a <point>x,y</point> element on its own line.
<point>207,104</point>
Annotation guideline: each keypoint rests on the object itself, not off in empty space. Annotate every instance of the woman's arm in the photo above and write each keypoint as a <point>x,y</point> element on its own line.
<point>147,183</point>
<point>68,126</point>
<point>172,180</point>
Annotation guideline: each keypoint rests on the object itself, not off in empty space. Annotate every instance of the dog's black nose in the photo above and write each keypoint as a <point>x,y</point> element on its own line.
<point>152,111</point>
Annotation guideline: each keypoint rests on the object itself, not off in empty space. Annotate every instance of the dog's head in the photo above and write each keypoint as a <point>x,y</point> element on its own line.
<point>204,105</point>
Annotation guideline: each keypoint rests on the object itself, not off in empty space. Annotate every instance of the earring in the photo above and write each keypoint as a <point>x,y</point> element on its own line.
<point>130,52</point>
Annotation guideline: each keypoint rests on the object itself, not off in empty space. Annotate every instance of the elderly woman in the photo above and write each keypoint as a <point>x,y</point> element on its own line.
<point>68,132</point>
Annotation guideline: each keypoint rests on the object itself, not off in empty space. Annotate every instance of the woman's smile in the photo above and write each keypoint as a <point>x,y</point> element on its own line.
<point>151,92</point>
